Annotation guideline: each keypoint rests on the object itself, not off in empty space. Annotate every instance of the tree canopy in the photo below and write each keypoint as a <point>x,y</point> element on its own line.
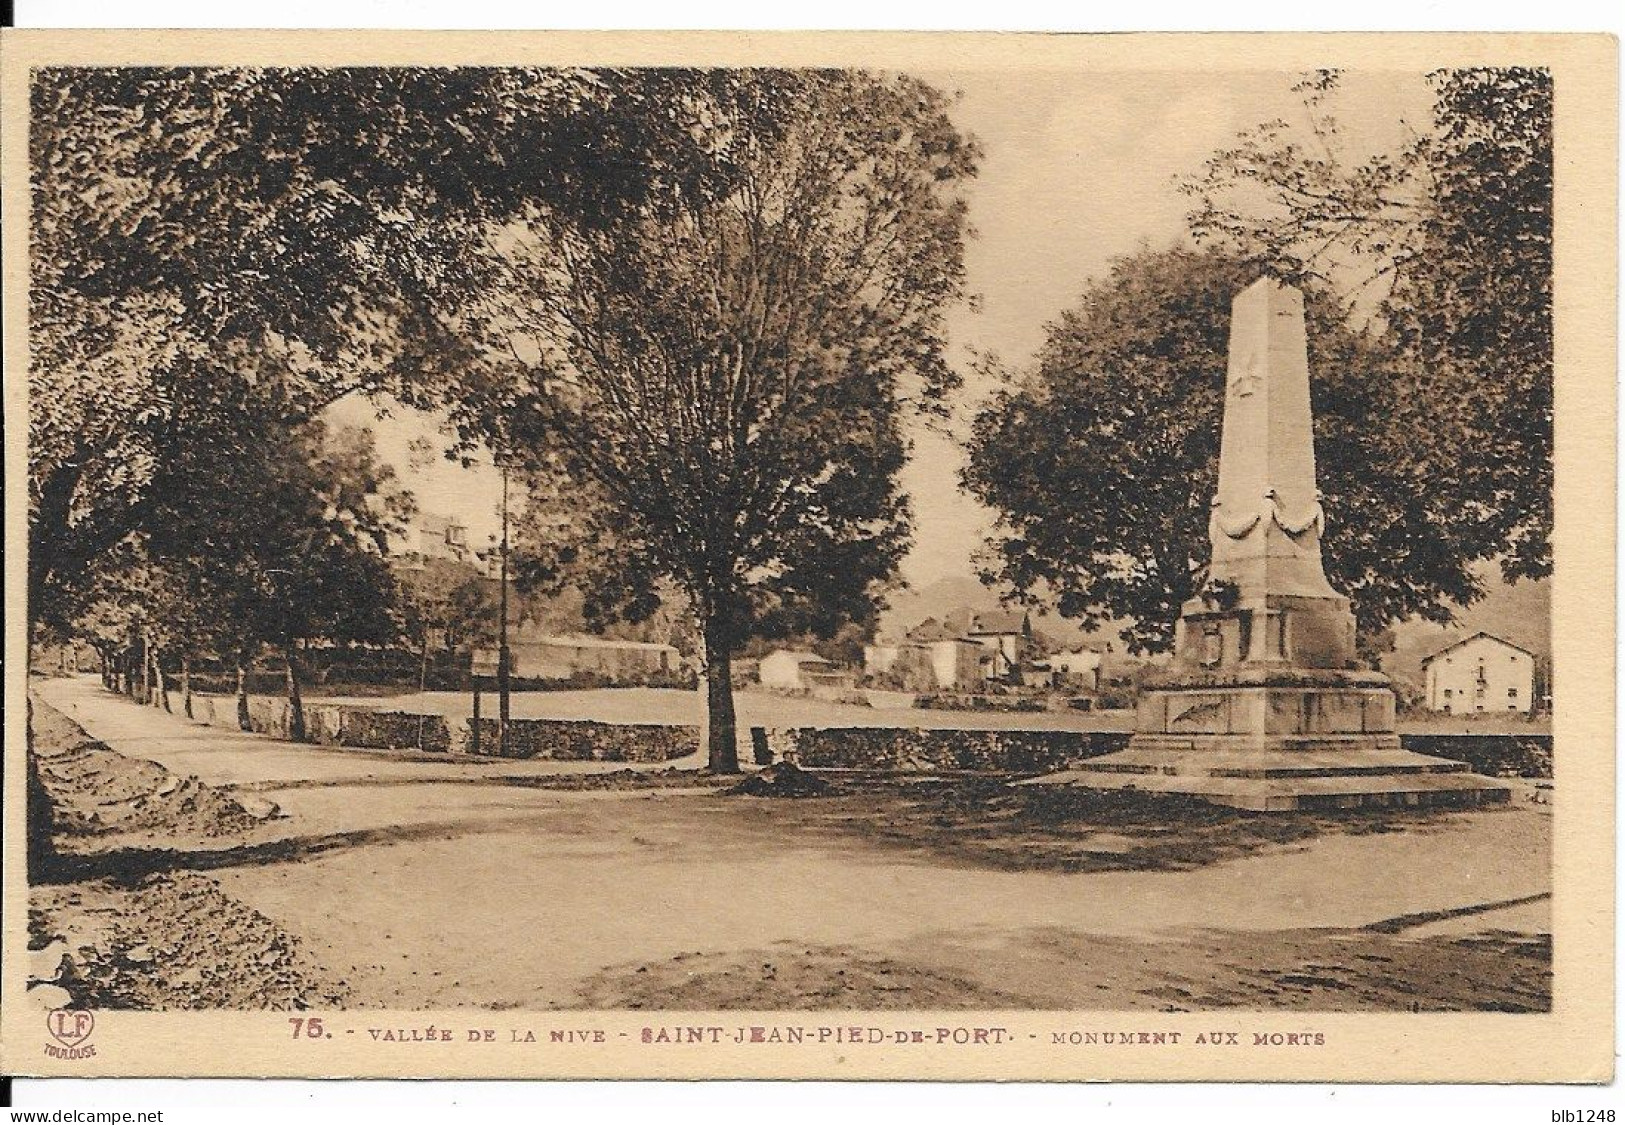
<point>299,227</point>
<point>1428,272</point>
<point>691,307</point>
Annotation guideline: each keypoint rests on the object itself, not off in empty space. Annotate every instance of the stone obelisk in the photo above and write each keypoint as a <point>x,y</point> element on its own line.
<point>1266,705</point>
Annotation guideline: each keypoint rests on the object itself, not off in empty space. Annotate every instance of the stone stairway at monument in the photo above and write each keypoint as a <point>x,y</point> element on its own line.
<point>1282,780</point>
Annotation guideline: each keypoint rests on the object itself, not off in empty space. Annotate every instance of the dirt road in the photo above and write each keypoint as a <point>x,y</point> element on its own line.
<point>424,883</point>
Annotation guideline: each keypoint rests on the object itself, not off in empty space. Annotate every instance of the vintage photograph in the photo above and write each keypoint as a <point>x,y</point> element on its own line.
<point>797,539</point>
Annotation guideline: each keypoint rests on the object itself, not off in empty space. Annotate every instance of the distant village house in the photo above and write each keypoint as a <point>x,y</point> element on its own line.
<point>1009,634</point>
<point>1480,674</point>
<point>935,656</point>
<point>437,537</point>
<point>799,671</point>
<point>787,669</point>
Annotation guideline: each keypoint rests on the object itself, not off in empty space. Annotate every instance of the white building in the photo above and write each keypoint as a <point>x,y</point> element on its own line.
<point>783,668</point>
<point>940,662</point>
<point>543,656</point>
<point>1078,665</point>
<point>437,537</point>
<point>1480,674</point>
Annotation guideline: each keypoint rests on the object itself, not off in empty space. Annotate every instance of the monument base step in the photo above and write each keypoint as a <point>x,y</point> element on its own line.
<point>1320,762</point>
<point>1283,780</point>
<point>1342,744</point>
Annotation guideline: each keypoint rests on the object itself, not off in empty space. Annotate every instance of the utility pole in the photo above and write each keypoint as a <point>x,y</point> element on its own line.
<point>502,634</point>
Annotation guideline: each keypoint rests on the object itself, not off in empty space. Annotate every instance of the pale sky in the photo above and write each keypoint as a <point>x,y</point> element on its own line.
<point>1079,168</point>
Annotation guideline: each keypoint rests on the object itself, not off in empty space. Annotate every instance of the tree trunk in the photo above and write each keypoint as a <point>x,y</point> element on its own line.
<point>159,686</point>
<point>146,673</point>
<point>423,684</point>
<point>721,733</point>
<point>296,705</point>
<point>39,819</point>
<point>186,684</point>
<point>243,720</point>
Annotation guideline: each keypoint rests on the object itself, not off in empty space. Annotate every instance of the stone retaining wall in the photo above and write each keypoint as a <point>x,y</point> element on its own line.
<point>328,724</point>
<point>576,740</point>
<point>378,730</point>
<point>904,749</point>
<point>918,749</point>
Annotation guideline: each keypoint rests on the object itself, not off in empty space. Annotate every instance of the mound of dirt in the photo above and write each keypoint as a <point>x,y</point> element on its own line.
<point>784,779</point>
<point>663,778</point>
<point>171,942</point>
<point>785,977</point>
<point>96,791</point>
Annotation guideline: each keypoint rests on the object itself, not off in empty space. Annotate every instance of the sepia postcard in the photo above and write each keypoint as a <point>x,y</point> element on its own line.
<point>810,555</point>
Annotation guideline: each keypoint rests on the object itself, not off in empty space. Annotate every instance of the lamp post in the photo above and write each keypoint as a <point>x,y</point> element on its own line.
<point>502,630</point>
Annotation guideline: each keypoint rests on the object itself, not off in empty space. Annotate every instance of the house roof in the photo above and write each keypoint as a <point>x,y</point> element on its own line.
<point>526,636</point>
<point>930,630</point>
<point>1474,637</point>
<point>1001,621</point>
<point>797,657</point>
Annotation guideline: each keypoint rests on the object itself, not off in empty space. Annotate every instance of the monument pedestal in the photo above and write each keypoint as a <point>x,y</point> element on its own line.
<point>1265,707</point>
<point>1265,738</point>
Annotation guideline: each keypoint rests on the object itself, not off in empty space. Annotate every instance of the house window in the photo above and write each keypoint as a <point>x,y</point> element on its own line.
<point>1512,693</point>
<point>1449,693</point>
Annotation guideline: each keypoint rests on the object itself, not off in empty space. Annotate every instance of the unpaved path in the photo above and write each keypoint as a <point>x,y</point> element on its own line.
<point>428,883</point>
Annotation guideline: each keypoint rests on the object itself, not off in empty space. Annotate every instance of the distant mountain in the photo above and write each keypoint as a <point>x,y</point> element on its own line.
<point>907,608</point>
<point>1520,613</point>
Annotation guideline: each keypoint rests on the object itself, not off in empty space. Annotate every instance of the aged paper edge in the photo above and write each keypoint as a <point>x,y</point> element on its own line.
<point>1573,1043</point>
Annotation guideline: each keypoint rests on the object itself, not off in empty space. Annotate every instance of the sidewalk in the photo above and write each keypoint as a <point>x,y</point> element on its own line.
<point>226,757</point>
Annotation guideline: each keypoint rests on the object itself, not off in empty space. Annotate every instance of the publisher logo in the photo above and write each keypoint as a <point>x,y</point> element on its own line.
<point>71,1027</point>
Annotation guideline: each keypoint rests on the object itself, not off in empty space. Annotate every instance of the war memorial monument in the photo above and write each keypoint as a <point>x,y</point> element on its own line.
<point>1266,706</point>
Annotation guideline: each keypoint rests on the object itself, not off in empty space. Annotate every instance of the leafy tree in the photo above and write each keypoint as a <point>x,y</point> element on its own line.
<point>1448,243</point>
<point>708,387</point>
<point>1102,462</point>
<point>317,558</point>
<point>303,225</point>
<point>1473,312</point>
<point>444,602</point>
